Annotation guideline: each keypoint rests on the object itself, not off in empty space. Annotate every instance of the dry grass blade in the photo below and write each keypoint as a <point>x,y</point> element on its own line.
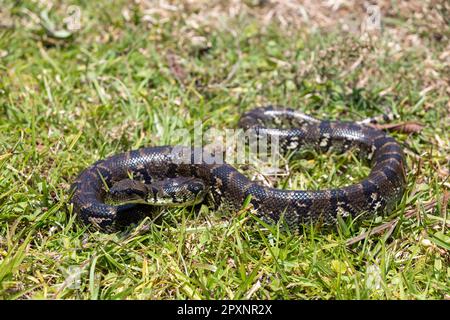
<point>403,127</point>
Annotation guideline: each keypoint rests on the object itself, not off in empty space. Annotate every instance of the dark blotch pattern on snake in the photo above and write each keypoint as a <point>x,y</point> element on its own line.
<point>160,167</point>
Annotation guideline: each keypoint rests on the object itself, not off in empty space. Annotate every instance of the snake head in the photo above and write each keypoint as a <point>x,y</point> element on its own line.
<point>128,191</point>
<point>174,192</point>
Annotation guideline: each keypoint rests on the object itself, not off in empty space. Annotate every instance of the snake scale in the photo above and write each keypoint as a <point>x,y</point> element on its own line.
<point>158,173</point>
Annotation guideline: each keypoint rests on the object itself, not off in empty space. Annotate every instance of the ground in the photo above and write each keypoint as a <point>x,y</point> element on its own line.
<point>93,78</point>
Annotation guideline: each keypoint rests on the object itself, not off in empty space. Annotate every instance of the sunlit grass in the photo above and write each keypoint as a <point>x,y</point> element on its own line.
<point>67,103</point>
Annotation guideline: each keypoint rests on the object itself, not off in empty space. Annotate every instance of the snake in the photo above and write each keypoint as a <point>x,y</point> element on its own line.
<point>123,188</point>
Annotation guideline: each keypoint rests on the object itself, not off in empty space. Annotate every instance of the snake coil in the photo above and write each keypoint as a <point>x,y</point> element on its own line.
<point>155,165</point>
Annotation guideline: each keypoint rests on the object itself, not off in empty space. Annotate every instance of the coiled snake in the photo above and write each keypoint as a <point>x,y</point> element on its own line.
<point>160,177</point>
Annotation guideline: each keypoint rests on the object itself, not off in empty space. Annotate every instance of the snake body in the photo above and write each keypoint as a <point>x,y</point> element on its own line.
<point>226,185</point>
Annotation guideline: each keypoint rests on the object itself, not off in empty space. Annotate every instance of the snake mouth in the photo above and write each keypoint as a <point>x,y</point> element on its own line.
<point>127,191</point>
<point>172,204</point>
<point>132,199</point>
<point>179,198</point>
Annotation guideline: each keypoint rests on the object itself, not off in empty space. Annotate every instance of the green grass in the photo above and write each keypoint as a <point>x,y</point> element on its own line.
<point>114,86</point>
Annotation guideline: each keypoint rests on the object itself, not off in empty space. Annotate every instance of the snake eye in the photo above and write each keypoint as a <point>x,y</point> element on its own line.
<point>196,188</point>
